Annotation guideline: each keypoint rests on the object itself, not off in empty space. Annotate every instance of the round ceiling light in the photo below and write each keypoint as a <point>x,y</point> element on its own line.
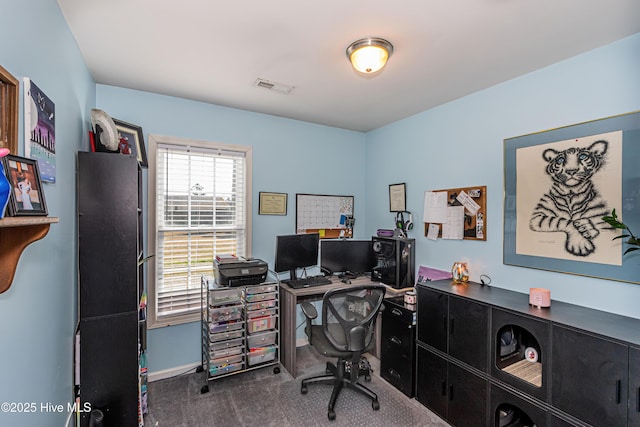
<point>370,54</point>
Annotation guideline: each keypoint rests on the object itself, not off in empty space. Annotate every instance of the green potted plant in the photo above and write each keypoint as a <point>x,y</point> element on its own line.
<point>632,240</point>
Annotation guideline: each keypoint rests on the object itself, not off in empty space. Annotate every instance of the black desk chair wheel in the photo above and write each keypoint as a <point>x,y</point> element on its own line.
<point>347,331</point>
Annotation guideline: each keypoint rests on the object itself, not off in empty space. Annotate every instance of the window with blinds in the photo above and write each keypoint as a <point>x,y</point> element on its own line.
<point>202,196</point>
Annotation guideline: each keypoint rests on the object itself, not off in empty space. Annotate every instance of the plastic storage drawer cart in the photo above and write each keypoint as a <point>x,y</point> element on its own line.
<point>239,328</point>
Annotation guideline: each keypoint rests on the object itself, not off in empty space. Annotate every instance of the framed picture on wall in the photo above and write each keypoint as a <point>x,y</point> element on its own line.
<point>559,184</point>
<point>397,197</point>
<point>272,203</point>
<point>9,99</point>
<point>27,197</point>
<point>131,141</point>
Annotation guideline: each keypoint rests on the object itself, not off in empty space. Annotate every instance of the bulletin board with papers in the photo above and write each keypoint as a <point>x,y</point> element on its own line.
<point>456,213</point>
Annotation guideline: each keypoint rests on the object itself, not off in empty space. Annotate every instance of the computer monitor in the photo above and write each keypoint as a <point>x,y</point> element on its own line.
<point>347,256</point>
<point>296,251</point>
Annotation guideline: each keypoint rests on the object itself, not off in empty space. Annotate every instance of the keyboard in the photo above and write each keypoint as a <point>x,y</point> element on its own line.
<point>307,282</point>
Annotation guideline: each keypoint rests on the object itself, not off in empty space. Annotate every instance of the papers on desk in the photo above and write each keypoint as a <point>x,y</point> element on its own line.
<point>438,213</point>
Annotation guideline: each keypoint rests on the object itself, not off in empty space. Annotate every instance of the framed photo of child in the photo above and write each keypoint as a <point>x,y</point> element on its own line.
<point>131,141</point>
<point>27,197</point>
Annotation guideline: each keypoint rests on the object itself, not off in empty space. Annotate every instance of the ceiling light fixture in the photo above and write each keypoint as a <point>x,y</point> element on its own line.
<point>370,54</point>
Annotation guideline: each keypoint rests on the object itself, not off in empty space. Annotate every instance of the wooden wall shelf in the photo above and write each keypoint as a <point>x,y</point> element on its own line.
<point>16,233</point>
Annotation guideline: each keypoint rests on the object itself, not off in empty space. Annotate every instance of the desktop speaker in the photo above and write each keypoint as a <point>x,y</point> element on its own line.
<point>395,261</point>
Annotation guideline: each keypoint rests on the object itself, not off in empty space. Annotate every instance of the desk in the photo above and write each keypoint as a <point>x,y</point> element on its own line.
<point>289,299</point>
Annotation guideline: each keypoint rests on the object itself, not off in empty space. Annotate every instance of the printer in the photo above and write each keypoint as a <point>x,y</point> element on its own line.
<point>240,272</point>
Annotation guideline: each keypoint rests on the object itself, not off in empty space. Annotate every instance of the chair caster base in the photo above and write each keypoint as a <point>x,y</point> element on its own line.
<point>331,415</point>
<point>375,405</point>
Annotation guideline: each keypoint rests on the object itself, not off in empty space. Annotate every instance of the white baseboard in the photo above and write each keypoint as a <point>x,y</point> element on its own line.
<point>172,372</point>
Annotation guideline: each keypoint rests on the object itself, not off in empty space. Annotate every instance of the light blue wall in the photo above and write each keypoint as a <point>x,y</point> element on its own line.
<point>288,157</point>
<point>38,313</point>
<point>460,144</point>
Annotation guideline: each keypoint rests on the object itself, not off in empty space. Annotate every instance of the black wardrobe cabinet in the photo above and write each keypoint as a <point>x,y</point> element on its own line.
<point>452,348</point>
<point>634,386</point>
<point>455,393</point>
<point>109,291</point>
<point>455,326</point>
<point>562,366</point>
<point>589,377</point>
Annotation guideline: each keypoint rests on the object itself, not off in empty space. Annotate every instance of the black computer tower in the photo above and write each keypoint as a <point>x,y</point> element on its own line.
<point>395,261</point>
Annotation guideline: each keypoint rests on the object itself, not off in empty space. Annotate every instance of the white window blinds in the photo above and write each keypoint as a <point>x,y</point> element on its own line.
<point>200,211</point>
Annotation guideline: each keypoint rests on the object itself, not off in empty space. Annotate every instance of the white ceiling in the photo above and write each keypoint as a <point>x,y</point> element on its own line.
<point>214,50</point>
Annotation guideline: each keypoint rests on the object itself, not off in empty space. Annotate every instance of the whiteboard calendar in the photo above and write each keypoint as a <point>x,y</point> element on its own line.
<point>324,214</point>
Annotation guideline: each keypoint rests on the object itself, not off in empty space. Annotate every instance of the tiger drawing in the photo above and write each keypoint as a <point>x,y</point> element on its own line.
<point>572,205</point>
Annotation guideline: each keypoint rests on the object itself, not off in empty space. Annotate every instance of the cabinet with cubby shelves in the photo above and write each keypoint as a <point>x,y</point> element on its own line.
<point>519,351</point>
<point>563,366</point>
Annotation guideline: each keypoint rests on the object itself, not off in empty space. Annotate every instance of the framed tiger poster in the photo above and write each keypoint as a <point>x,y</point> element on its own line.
<point>559,184</point>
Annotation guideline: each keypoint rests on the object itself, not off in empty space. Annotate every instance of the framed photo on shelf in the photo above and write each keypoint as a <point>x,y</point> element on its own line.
<point>9,99</point>
<point>559,184</point>
<point>272,203</point>
<point>131,141</point>
<point>27,197</point>
<point>397,198</point>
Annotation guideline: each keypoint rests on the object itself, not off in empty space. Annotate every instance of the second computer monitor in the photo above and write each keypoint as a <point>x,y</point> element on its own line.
<point>347,256</point>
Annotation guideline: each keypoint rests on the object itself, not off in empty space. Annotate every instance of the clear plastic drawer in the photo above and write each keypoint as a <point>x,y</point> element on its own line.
<point>261,297</point>
<point>261,305</point>
<point>260,289</point>
<point>219,370</point>
<point>233,325</point>
<point>262,339</point>
<point>225,313</point>
<point>225,352</point>
<point>223,336</point>
<point>225,361</point>
<point>262,355</point>
<point>224,296</point>
<point>262,313</point>
<point>226,344</point>
<point>261,324</point>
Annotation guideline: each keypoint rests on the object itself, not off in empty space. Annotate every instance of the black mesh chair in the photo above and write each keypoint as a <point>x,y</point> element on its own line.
<point>347,331</point>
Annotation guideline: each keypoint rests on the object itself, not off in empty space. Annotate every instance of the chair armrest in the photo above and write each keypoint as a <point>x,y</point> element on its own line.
<point>309,310</point>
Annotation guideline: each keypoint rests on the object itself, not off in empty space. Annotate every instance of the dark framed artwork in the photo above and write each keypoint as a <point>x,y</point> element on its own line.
<point>27,197</point>
<point>131,141</point>
<point>559,184</point>
<point>9,99</point>
<point>398,197</point>
<point>272,203</point>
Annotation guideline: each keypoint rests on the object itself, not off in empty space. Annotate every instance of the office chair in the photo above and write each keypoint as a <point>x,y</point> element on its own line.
<point>347,331</point>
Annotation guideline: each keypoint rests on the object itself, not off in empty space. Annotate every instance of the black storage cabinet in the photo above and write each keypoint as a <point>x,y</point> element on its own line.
<point>585,372</point>
<point>108,248</point>
<point>397,357</point>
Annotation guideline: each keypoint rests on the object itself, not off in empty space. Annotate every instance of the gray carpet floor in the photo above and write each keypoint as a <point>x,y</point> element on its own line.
<point>263,398</point>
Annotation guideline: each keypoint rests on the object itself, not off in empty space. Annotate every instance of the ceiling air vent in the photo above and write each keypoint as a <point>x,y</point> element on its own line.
<point>273,86</point>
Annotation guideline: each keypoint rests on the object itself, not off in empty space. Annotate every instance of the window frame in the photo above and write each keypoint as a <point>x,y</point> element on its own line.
<point>155,140</point>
